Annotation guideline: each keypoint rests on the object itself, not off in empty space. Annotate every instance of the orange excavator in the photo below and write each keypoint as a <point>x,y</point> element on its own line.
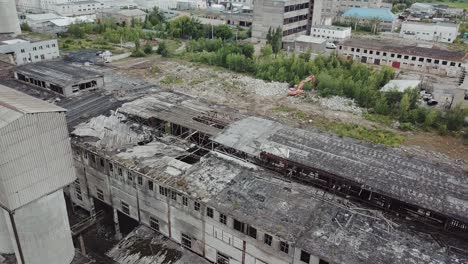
<point>298,89</point>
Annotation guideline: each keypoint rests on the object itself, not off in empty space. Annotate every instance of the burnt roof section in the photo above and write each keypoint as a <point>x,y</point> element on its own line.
<point>180,109</point>
<point>57,72</point>
<point>412,179</point>
<point>405,49</point>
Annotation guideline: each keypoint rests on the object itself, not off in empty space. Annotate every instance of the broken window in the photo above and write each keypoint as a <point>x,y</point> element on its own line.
<point>125,208</point>
<point>140,180</point>
<point>323,262</point>
<point>100,194</point>
<point>184,200</point>
<point>78,190</point>
<point>209,212</point>
<point>444,62</point>
<point>239,226</point>
<point>111,167</point>
<point>222,218</point>
<point>284,247</point>
<point>101,161</point>
<point>93,158</point>
<point>222,259</point>
<point>305,257</point>
<point>196,206</point>
<point>174,195</point>
<point>252,232</point>
<point>150,185</point>
<point>267,239</point>
<point>164,191</point>
<point>154,223</point>
<point>186,241</point>
<point>452,64</point>
<point>120,172</point>
<point>129,177</point>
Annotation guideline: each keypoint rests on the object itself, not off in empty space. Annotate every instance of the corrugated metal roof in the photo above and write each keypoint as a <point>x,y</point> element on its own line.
<point>382,13</point>
<point>14,104</point>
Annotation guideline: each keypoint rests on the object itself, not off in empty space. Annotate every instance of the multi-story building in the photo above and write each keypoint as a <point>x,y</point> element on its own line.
<point>410,57</point>
<point>23,51</point>
<point>197,174</point>
<point>437,32</point>
<point>35,165</point>
<point>79,8</point>
<point>332,33</point>
<point>62,78</point>
<point>383,18</point>
<point>294,17</point>
<point>123,16</point>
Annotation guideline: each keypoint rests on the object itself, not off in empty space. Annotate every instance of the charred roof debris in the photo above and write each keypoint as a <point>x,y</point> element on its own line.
<point>340,200</point>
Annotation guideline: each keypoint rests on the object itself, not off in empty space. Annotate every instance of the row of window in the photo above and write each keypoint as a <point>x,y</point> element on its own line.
<point>40,48</point>
<point>405,57</point>
<point>294,30</point>
<point>291,8</point>
<point>294,19</point>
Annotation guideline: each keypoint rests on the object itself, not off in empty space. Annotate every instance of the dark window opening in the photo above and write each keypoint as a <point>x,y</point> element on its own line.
<point>140,180</point>
<point>305,257</point>
<point>196,206</point>
<point>184,200</point>
<point>100,194</point>
<point>186,241</point>
<point>222,259</point>
<point>267,239</point>
<point>150,185</point>
<point>125,208</point>
<point>252,232</point>
<point>101,161</point>
<point>209,212</point>
<point>154,223</point>
<point>223,218</point>
<point>284,247</point>
<point>239,226</point>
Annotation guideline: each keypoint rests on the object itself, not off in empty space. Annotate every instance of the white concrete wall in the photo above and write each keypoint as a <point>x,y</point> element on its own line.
<point>429,32</point>
<point>44,231</point>
<point>36,158</point>
<point>6,246</point>
<point>329,33</point>
<point>27,52</point>
<point>78,9</point>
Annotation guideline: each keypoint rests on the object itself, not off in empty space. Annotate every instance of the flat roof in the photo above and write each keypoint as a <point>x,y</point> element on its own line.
<point>310,39</point>
<point>406,49</point>
<point>412,179</point>
<point>400,85</point>
<point>57,72</point>
<point>363,12</point>
<point>331,27</point>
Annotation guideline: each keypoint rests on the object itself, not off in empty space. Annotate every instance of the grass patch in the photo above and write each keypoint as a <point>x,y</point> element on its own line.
<point>381,119</point>
<point>198,80</point>
<point>283,109</point>
<point>171,79</point>
<point>376,135</point>
<point>230,85</point>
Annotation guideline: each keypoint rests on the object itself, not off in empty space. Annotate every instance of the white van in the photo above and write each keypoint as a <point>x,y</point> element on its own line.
<point>330,45</point>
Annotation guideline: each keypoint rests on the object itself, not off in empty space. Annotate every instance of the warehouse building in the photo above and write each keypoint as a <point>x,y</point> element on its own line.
<point>436,32</point>
<point>59,77</point>
<point>294,17</point>
<point>334,8</point>
<point>367,16</point>
<point>226,187</point>
<point>431,60</point>
<point>35,165</point>
<point>23,51</point>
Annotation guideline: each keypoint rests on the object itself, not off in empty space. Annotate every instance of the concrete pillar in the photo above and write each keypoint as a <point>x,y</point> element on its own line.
<point>118,235</point>
<point>6,247</point>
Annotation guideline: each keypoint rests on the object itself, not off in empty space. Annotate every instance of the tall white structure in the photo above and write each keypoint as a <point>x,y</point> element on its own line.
<point>9,23</point>
<point>332,33</point>
<point>35,165</point>
<point>439,32</point>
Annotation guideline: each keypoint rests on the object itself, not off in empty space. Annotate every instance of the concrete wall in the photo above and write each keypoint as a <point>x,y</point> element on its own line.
<point>209,236</point>
<point>429,32</point>
<point>27,52</point>
<point>78,9</point>
<point>330,33</point>
<point>6,245</point>
<point>9,23</point>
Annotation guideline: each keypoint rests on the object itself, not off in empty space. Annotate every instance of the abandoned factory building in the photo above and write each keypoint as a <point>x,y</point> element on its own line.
<point>59,77</point>
<point>411,57</point>
<point>241,189</point>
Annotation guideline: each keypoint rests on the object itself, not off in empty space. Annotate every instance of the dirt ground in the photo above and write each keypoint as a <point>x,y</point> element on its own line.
<point>253,96</point>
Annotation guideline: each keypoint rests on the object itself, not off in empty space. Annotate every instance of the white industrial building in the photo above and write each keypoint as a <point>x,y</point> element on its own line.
<point>9,23</point>
<point>437,32</point>
<point>22,51</point>
<point>79,8</point>
<point>35,165</point>
<point>332,33</point>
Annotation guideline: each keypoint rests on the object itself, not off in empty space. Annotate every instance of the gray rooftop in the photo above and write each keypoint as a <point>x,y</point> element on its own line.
<point>415,180</point>
<point>14,104</point>
<point>57,72</point>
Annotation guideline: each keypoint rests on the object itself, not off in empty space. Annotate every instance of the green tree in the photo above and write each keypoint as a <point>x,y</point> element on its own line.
<point>25,27</point>
<point>404,107</point>
<point>162,49</point>
<point>148,49</point>
<point>223,32</point>
<point>455,118</point>
<point>431,118</point>
<point>275,39</point>
<point>266,50</point>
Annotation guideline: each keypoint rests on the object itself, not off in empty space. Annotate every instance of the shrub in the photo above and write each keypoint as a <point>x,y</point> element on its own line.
<point>138,53</point>
<point>162,49</point>
<point>148,49</point>
<point>406,126</point>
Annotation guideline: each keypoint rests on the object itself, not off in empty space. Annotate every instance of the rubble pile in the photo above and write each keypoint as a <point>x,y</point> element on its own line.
<point>340,104</point>
<point>263,88</point>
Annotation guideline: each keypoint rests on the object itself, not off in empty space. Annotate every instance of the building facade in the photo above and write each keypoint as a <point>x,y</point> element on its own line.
<point>331,33</point>
<point>36,164</point>
<point>24,51</point>
<point>79,8</point>
<point>294,17</point>
<point>436,32</point>
<point>431,60</point>
<point>123,16</point>
<point>306,44</point>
